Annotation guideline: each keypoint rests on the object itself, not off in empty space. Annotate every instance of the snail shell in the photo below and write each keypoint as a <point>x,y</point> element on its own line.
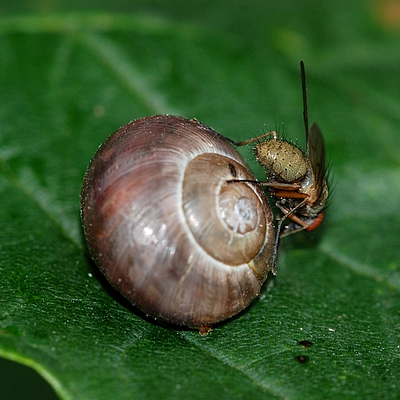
<point>168,229</point>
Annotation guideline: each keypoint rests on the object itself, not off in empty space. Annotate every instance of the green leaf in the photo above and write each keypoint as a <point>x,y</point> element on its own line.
<point>71,78</point>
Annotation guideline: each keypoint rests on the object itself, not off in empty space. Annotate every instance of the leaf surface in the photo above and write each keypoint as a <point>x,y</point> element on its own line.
<point>73,76</point>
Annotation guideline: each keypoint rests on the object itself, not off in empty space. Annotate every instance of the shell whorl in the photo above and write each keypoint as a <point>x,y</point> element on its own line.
<point>155,207</point>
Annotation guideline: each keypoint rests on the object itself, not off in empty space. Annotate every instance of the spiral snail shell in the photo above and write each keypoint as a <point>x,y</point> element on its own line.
<point>167,226</point>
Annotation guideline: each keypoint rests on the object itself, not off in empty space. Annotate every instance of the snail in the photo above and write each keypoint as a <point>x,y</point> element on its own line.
<point>169,230</point>
<point>296,179</point>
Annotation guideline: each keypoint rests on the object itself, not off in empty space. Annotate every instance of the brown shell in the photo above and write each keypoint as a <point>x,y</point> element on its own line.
<point>156,209</point>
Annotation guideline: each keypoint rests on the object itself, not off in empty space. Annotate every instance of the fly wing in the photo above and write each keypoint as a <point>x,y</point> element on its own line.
<point>316,154</point>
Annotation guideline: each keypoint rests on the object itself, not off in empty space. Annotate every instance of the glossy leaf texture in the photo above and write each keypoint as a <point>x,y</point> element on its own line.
<point>73,73</point>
